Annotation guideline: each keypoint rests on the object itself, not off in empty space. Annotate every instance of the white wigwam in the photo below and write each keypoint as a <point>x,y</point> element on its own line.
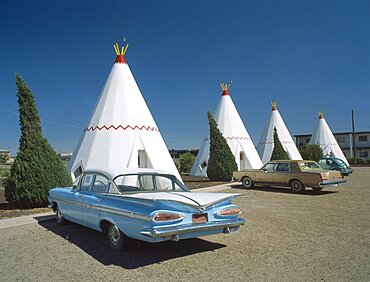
<point>266,144</point>
<point>323,136</point>
<point>233,130</point>
<point>121,132</point>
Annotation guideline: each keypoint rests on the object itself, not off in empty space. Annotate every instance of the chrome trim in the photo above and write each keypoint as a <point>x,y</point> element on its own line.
<point>218,201</point>
<point>65,201</point>
<point>157,232</point>
<point>332,182</point>
<point>198,207</point>
<point>186,197</point>
<point>107,210</point>
<point>126,213</point>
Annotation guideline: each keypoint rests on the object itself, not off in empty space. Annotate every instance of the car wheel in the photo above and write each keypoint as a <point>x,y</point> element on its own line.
<point>296,186</point>
<point>60,219</point>
<point>116,238</point>
<point>247,182</point>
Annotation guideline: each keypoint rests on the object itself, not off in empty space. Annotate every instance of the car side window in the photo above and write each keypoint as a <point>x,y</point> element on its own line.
<point>294,167</point>
<point>101,184</point>
<point>163,183</point>
<point>87,182</point>
<point>282,167</point>
<point>270,167</point>
<point>323,164</point>
<point>146,182</point>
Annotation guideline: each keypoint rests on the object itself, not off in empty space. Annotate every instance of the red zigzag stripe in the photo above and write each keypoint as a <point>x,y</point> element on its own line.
<point>121,127</point>
<point>272,142</point>
<point>237,138</point>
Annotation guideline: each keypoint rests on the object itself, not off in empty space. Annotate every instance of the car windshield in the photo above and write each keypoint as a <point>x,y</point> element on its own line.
<point>340,162</point>
<point>269,167</point>
<point>309,165</point>
<point>148,182</point>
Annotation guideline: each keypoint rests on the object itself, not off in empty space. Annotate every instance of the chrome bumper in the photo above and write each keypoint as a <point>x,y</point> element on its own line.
<point>332,182</point>
<point>226,225</point>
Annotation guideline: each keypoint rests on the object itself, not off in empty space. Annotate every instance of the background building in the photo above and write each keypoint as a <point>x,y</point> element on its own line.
<point>345,141</point>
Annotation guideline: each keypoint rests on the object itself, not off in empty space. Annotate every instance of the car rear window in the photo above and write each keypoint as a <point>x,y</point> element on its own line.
<point>309,165</point>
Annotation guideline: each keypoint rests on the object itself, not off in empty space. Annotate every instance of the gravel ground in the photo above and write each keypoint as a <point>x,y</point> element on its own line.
<point>310,237</point>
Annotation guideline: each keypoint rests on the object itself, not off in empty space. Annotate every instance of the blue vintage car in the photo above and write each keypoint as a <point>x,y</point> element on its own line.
<point>335,164</point>
<point>143,204</point>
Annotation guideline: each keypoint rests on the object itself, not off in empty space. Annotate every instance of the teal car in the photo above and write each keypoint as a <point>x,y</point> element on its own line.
<point>335,164</point>
<point>143,204</point>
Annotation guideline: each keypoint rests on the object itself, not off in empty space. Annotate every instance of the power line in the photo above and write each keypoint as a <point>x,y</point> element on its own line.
<point>45,120</point>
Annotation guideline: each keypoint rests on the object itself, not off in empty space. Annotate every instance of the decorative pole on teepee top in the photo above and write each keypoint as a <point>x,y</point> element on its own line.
<point>120,54</point>
<point>321,115</point>
<point>225,87</point>
<point>274,105</point>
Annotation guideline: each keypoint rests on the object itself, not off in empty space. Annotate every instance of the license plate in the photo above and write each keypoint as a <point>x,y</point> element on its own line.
<point>200,218</point>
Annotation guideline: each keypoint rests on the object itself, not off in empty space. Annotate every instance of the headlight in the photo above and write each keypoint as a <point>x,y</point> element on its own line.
<point>230,211</point>
<point>166,216</point>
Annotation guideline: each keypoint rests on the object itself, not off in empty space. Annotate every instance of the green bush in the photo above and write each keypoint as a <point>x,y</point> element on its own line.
<point>311,152</point>
<point>221,163</point>
<point>186,162</point>
<point>278,153</point>
<point>177,164</point>
<point>352,161</point>
<point>37,167</point>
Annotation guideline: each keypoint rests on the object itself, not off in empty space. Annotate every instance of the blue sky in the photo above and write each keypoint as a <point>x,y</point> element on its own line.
<point>309,55</point>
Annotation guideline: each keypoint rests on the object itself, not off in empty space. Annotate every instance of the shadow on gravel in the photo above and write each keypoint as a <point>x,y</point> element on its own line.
<point>138,254</point>
<point>284,190</point>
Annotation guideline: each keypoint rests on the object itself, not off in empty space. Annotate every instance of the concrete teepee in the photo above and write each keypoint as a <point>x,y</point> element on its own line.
<point>323,136</point>
<point>236,135</point>
<point>121,132</point>
<point>266,144</point>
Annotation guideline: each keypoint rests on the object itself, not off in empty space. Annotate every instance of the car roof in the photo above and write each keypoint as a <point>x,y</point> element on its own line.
<point>113,172</point>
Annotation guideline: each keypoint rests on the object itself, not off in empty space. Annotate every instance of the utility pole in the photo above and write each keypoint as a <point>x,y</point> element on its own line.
<point>354,137</point>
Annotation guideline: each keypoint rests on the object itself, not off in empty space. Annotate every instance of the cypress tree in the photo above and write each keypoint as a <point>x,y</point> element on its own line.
<point>221,163</point>
<point>37,167</point>
<point>278,153</point>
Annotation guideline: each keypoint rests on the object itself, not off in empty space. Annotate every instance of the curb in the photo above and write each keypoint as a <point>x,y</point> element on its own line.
<point>27,219</point>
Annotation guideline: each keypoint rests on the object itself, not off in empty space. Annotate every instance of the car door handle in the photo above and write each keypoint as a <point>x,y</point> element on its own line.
<point>80,196</point>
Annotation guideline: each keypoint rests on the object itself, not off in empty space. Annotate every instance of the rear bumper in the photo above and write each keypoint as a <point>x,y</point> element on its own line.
<point>227,226</point>
<point>332,182</point>
<point>346,171</point>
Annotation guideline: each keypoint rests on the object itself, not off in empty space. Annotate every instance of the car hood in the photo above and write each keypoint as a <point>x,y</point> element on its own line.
<point>188,198</point>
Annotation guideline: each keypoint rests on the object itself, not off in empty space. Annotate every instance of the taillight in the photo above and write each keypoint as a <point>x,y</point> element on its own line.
<point>324,176</point>
<point>230,211</point>
<point>166,216</point>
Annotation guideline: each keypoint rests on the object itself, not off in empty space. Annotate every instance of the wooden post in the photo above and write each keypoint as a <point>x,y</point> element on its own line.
<point>354,137</point>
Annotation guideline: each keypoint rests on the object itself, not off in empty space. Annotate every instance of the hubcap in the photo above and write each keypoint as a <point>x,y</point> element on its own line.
<point>59,215</point>
<point>247,182</point>
<point>114,235</point>
<point>296,185</point>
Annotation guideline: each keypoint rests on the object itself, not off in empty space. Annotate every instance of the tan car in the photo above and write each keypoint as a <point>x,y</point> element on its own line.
<point>294,174</point>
